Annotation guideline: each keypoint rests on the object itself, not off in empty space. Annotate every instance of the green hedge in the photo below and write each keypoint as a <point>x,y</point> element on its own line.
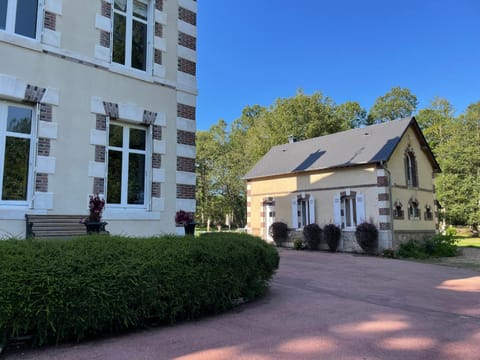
<point>68,290</point>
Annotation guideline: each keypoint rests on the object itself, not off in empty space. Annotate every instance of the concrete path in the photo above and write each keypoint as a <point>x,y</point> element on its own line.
<point>321,306</point>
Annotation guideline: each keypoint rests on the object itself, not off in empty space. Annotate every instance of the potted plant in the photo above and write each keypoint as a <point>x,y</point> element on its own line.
<point>279,232</point>
<point>367,237</point>
<point>93,222</point>
<point>313,235</point>
<point>185,219</point>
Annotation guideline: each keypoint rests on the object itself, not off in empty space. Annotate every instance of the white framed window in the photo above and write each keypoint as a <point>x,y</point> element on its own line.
<point>127,171</point>
<point>131,34</point>
<point>17,146</point>
<point>20,17</point>
<point>348,209</point>
<point>303,211</point>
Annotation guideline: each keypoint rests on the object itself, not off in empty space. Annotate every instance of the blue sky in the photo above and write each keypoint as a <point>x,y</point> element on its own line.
<point>255,51</point>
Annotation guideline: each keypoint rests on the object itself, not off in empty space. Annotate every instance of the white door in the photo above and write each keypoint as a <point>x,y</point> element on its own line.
<point>269,211</point>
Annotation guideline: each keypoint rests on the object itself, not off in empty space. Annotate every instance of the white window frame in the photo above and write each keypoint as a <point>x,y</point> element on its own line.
<point>125,151</point>
<point>340,202</point>
<point>11,19</point>
<point>303,211</point>
<point>33,146</point>
<point>129,17</point>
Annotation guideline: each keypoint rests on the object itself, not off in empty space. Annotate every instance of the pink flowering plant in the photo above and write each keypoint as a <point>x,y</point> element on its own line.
<point>183,217</point>
<point>95,205</point>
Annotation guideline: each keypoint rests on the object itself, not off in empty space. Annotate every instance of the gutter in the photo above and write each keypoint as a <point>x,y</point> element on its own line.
<point>382,164</point>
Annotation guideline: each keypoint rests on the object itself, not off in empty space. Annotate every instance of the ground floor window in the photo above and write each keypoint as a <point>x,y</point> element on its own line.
<point>349,212</point>
<point>348,209</point>
<point>128,147</point>
<point>413,210</point>
<point>17,151</point>
<point>303,211</point>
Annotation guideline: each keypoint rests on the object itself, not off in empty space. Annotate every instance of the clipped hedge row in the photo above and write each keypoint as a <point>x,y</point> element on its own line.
<point>69,290</point>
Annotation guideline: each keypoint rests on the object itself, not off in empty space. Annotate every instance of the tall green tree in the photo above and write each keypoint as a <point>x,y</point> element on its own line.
<point>352,113</point>
<point>397,103</point>
<point>458,187</point>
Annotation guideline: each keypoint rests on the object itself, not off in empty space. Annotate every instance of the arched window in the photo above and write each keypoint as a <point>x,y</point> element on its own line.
<point>411,173</point>
<point>413,210</point>
<point>398,210</point>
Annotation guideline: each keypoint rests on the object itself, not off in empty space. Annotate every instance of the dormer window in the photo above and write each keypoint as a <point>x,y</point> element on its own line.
<point>411,173</point>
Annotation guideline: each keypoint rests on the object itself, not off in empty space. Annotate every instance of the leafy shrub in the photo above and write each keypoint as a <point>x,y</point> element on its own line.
<point>279,232</point>
<point>313,236</point>
<point>298,244</point>
<point>68,290</point>
<point>367,237</point>
<point>332,234</point>
<point>436,246</point>
<point>389,253</point>
<point>450,231</point>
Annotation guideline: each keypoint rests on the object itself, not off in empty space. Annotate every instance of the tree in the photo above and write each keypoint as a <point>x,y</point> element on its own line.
<point>435,120</point>
<point>352,113</point>
<point>458,187</point>
<point>397,103</point>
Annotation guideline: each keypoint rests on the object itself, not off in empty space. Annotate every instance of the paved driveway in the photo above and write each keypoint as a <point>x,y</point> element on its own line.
<point>322,306</point>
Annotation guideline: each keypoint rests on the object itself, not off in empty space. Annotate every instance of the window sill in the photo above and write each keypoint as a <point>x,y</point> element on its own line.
<point>28,43</point>
<point>132,73</point>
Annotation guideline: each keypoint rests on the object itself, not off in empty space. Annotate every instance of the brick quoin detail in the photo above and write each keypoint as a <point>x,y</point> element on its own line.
<point>41,182</point>
<point>98,185</point>
<point>104,38</point>
<point>185,191</point>
<point>101,122</point>
<point>384,211</point>
<point>187,40</point>
<point>156,190</point>
<point>46,112</point>
<point>188,16</point>
<point>158,29</point>
<point>159,5</point>
<point>186,111</point>
<point>50,21</point>
<point>106,9</point>
<point>156,161</point>
<point>382,180</point>
<point>43,147</point>
<point>185,164</point>
<point>383,197</point>
<point>187,66</point>
<point>100,153</point>
<point>185,137</point>
<point>158,57</point>
<point>157,132</point>
<point>385,226</point>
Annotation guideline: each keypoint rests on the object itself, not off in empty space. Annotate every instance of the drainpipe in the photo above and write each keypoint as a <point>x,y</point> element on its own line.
<point>382,164</point>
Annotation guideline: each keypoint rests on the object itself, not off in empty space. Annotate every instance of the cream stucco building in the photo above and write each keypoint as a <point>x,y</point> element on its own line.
<point>383,174</point>
<point>98,96</point>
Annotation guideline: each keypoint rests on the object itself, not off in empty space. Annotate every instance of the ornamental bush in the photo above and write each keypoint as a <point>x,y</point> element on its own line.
<point>279,232</point>
<point>67,290</point>
<point>367,237</point>
<point>313,235</point>
<point>332,234</point>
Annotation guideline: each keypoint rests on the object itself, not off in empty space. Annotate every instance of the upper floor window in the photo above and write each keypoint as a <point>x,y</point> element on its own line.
<point>411,173</point>
<point>16,147</point>
<point>130,33</point>
<point>127,155</point>
<point>19,17</point>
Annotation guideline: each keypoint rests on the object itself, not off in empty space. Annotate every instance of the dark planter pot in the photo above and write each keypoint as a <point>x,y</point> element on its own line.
<point>96,227</point>
<point>190,229</point>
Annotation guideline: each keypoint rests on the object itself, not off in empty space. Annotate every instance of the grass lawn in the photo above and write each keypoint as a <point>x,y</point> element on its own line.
<point>471,242</point>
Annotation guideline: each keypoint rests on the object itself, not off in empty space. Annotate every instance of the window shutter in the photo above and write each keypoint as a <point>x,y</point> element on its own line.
<point>337,216</point>
<point>294,213</point>
<point>360,208</point>
<point>148,168</point>
<point>311,209</point>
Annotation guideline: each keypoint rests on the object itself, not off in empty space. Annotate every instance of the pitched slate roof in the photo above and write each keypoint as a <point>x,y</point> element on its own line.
<point>371,144</point>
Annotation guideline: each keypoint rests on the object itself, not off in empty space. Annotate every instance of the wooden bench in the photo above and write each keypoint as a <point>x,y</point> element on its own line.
<point>54,226</point>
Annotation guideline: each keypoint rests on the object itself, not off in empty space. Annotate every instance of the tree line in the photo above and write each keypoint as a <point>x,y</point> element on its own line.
<point>226,152</point>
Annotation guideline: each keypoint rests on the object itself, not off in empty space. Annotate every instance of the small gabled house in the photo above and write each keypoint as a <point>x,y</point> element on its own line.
<point>383,174</point>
